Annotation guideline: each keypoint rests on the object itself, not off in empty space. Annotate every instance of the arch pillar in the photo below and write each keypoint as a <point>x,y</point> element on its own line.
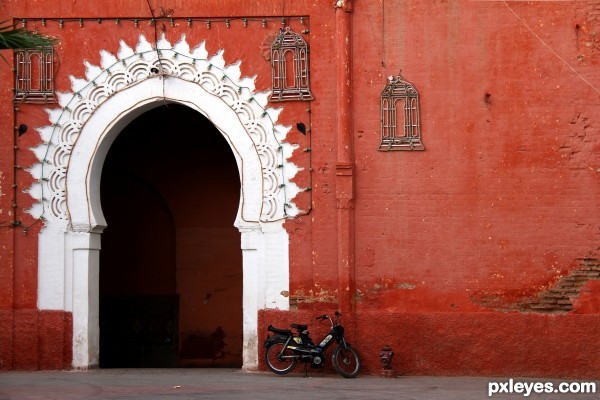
<point>264,250</point>
<point>84,259</point>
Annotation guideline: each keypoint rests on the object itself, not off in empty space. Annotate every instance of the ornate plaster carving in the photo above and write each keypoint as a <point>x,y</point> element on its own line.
<point>130,67</point>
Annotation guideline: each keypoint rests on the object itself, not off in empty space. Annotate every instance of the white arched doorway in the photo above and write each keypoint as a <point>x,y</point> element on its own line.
<point>76,144</point>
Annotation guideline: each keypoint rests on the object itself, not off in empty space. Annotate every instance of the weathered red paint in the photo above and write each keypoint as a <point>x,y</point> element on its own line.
<point>446,244</point>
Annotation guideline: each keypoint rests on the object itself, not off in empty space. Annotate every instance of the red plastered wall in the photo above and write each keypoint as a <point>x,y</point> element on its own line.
<point>499,208</point>
<point>502,202</point>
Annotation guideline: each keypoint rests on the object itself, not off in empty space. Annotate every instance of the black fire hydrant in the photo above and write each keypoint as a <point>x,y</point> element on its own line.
<point>385,357</point>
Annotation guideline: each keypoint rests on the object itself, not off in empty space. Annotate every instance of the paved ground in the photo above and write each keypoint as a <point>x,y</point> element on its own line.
<point>221,384</point>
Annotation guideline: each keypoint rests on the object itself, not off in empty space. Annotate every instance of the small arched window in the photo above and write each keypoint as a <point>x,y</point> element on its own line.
<point>289,67</point>
<point>400,121</point>
<point>34,78</point>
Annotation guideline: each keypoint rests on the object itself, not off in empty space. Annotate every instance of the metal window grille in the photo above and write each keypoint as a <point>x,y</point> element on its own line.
<point>400,121</point>
<point>34,79</point>
<point>289,67</point>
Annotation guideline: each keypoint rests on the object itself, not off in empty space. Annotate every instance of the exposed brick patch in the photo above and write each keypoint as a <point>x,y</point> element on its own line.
<point>558,299</point>
<point>588,30</point>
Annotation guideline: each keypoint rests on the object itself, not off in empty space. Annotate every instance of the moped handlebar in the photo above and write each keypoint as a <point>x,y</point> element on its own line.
<point>325,316</point>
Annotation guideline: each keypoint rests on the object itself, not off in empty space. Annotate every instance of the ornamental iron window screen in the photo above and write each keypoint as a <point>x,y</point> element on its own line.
<point>400,121</point>
<point>34,78</point>
<point>289,67</point>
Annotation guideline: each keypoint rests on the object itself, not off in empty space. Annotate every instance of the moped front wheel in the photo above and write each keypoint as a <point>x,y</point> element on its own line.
<point>346,361</point>
<point>278,361</point>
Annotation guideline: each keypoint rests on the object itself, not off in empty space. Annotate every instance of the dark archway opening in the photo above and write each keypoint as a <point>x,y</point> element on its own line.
<point>170,264</point>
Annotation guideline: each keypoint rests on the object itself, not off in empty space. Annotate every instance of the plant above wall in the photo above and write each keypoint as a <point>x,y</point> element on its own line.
<point>20,38</point>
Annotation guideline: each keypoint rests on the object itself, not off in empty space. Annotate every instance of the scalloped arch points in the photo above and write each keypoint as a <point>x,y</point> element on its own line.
<point>131,67</point>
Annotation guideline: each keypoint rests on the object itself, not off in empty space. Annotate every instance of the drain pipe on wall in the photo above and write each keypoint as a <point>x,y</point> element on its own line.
<point>344,170</point>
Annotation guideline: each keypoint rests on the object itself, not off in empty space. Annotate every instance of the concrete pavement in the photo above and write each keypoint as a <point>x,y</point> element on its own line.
<point>183,384</point>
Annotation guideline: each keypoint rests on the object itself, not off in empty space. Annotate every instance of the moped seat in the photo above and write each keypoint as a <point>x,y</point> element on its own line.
<point>279,330</point>
<point>299,327</point>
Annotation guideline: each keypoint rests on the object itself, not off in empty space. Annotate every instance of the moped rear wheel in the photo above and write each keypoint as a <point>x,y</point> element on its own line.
<point>346,361</point>
<point>280,362</point>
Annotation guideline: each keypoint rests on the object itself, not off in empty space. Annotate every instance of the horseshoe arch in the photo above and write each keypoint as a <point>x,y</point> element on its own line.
<point>76,142</point>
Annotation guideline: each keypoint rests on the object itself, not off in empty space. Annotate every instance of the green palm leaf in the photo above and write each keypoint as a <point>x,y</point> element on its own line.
<point>20,38</point>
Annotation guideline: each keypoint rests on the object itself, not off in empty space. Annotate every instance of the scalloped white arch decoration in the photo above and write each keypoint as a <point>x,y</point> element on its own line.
<point>132,67</point>
<point>79,137</point>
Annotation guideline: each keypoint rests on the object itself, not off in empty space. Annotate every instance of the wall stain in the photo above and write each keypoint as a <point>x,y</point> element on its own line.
<point>369,293</point>
<point>311,296</point>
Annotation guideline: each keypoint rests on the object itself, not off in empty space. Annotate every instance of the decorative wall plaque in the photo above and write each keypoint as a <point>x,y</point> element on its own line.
<point>289,67</point>
<point>400,123</point>
<point>34,80</point>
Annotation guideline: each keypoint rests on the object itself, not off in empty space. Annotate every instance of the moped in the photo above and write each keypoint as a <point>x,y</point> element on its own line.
<point>285,348</point>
